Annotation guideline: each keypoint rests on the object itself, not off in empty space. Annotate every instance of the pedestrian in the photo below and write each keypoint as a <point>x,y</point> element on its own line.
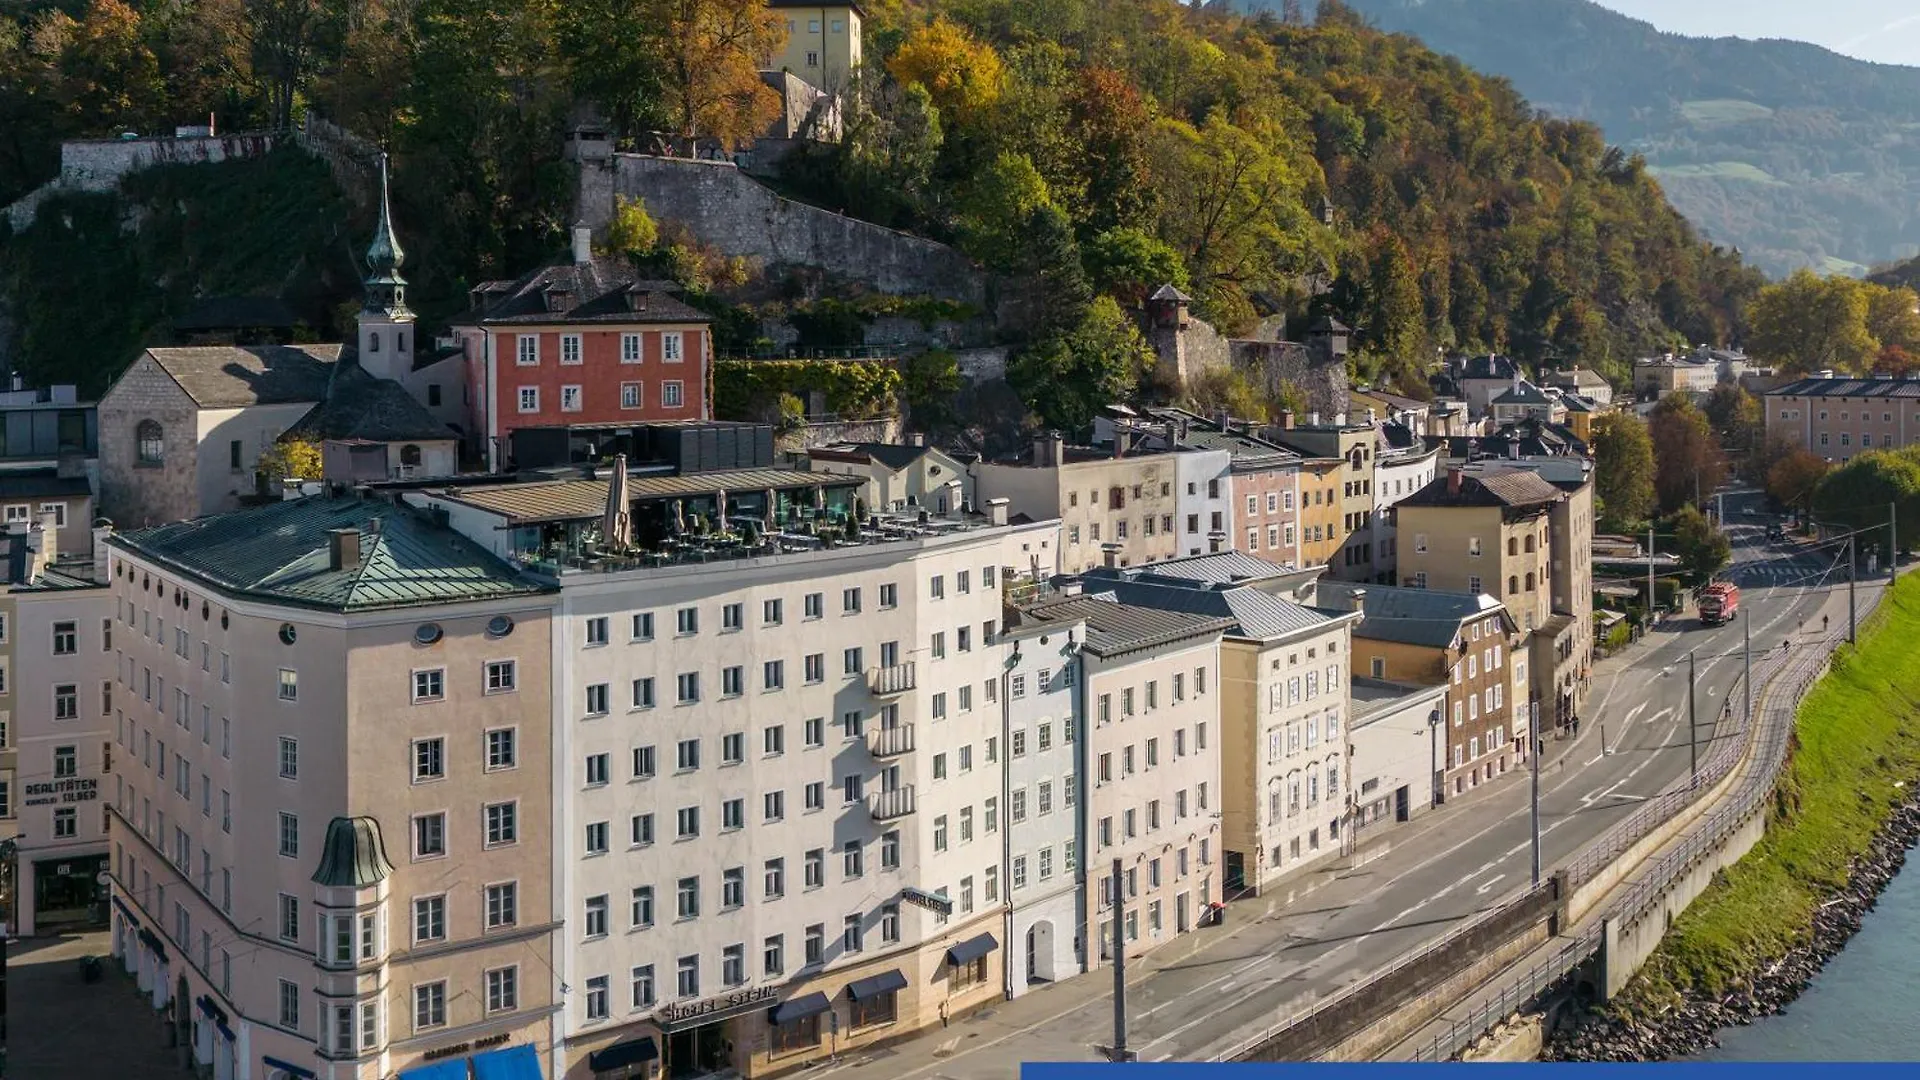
<point>1823,623</point>
<point>1576,727</point>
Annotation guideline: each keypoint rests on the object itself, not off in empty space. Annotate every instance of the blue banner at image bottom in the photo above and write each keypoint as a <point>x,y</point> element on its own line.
<point>1289,1070</point>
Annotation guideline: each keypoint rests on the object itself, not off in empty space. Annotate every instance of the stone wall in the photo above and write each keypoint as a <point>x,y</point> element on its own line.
<point>99,164</point>
<point>134,495</point>
<point>1270,364</point>
<point>721,206</point>
<point>354,161</point>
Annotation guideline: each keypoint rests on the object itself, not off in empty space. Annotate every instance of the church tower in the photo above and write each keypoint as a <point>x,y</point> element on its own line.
<point>386,341</point>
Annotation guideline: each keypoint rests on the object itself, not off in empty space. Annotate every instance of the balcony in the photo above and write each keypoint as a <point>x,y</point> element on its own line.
<point>888,805</point>
<point>891,680</point>
<point>888,742</point>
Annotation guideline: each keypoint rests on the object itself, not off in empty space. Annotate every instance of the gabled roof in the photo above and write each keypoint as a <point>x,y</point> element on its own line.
<point>1848,386</point>
<point>1491,366</point>
<point>1168,292</point>
<point>236,376</point>
<point>1228,567</point>
<point>1508,487</point>
<point>1114,627</point>
<point>601,290</point>
<point>1575,377</point>
<point>1429,617</point>
<point>1575,403</point>
<point>359,406</point>
<point>1249,611</point>
<point>1523,393</point>
<point>282,552</point>
<point>892,455</point>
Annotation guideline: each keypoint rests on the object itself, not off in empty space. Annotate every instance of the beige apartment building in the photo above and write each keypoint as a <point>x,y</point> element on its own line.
<point>823,43</point>
<point>1283,707</point>
<point>1350,556</point>
<point>1105,500</point>
<point>1837,417</point>
<point>1464,642</point>
<point>331,853</point>
<point>1150,776</point>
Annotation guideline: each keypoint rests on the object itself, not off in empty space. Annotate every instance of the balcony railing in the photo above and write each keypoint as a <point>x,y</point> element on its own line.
<point>887,805</point>
<point>886,742</point>
<point>890,680</point>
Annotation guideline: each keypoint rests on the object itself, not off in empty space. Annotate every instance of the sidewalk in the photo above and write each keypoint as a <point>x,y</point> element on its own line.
<point>61,1026</point>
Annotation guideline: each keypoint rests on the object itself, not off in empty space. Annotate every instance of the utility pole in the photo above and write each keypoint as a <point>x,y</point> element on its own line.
<point>1120,1052</point>
<point>1649,575</point>
<point>1851,627</point>
<point>1533,753</point>
<point>1746,660</point>
<point>1693,732</point>
<point>1893,541</point>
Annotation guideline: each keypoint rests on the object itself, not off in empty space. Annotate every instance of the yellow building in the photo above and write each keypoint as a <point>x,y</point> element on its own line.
<point>823,42</point>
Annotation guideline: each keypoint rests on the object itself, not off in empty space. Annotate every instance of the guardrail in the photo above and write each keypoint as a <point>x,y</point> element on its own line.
<point>1804,669</point>
<point>1774,721</point>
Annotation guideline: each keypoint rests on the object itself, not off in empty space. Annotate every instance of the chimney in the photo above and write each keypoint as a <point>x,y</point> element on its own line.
<point>1286,419</point>
<point>1358,599</point>
<point>1313,419</point>
<point>1110,556</point>
<point>997,511</point>
<point>917,439</point>
<point>1454,477</point>
<point>582,245</point>
<point>1224,419</point>
<point>1049,448</point>
<point>102,572</point>
<point>343,548</point>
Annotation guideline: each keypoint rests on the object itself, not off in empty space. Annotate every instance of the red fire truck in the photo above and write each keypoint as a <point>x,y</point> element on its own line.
<point>1719,602</point>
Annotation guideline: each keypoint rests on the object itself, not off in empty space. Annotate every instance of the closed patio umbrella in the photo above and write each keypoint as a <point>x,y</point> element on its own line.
<point>617,528</point>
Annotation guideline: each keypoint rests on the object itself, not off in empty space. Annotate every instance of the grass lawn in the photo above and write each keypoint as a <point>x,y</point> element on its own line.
<point>1856,754</point>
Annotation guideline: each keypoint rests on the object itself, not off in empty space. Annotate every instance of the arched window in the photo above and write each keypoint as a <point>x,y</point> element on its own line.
<point>410,455</point>
<point>373,341</point>
<point>1529,545</point>
<point>151,442</point>
<point>1513,545</point>
<point>1529,582</point>
<point>1513,584</point>
<point>400,341</point>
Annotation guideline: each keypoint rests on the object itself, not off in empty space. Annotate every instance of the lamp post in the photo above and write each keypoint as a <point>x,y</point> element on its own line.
<point>1533,759</point>
<point>1434,720</point>
<point>1693,743</point>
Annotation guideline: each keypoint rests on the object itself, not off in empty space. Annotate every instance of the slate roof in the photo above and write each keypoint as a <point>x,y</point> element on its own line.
<point>1228,567</point>
<point>1428,617</point>
<point>1492,366</point>
<point>235,376</point>
<point>1248,611</point>
<point>1168,292</point>
<point>1574,377</point>
<point>1523,394</point>
<point>359,406</point>
<point>1114,627</point>
<point>1247,452</point>
<point>598,291</point>
<point>1848,387</point>
<point>41,483</point>
<point>1510,487</point>
<point>281,552</point>
<point>1576,403</point>
<point>892,455</point>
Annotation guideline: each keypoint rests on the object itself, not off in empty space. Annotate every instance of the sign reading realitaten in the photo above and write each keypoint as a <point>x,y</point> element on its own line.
<point>62,791</point>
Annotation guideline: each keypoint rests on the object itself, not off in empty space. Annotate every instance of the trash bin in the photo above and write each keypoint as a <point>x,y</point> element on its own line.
<point>90,969</point>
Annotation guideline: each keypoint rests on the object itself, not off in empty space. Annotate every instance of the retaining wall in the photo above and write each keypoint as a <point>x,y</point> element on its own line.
<point>1626,946</point>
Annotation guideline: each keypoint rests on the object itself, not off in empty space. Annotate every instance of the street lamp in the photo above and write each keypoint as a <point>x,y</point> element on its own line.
<point>1693,735</point>
<point>1434,720</point>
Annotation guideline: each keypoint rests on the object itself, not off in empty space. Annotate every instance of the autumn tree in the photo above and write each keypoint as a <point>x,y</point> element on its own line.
<point>1623,470</point>
<point>1394,321</point>
<point>1794,476</point>
<point>1734,414</point>
<point>106,73</point>
<point>631,231</point>
<point>1809,323</point>
<point>712,51</point>
<point>1688,464</point>
<point>289,459</point>
<point>960,73</point>
<point>1110,123</point>
<point>1227,390</point>
<point>1893,315</point>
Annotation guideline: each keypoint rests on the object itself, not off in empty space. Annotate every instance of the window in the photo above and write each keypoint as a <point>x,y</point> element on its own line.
<point>814,731</point>
<point>150,441</point>
<point>689,687</point>
<point>643,762</point>
<point>570,348</point>
<point>289,758</point>
<point>529,399</point>
<point>732,681</point>
<point>851,934</point>
<point>429,685</point>
<point>815,869</point>
<point>597,838</point>
<point>289,918</point>
<point>66,639</point>
<point>503,902</point>
<point>289,835</point>
<point>773,675</point>
<point>289,1005</point>
<point>528,350</point>
<point>671,395</point>
<point>596,922</point>
<point>850,601</point>
<point>501,751</point>
<point>570,399</point>
<point>687,822</point>
<point>429,835</point>
<point>429,759</point>
<point>641,914</point>
<point>629,348</point>
<point>66,822</point>
<point>642,830</point>
<point>429,918</point>
<point>503,989</point>
<point>502,822</point>
<point>598,699</point>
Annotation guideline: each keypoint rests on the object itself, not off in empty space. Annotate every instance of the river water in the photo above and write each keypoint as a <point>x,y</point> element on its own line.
<point>1862,1006</point>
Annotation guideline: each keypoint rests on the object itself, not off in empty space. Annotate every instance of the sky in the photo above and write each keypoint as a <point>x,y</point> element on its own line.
<point>1884,31</point>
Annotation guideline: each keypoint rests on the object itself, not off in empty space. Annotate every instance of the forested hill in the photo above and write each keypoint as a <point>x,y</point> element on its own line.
<point>1796,155</point>
<point>1094,148</point>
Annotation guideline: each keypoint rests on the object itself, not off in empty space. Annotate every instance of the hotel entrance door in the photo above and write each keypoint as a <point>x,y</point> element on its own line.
<point>698,1052</point>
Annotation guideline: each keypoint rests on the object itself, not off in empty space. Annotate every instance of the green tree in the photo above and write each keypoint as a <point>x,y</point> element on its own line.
<point>1688,463</point>
<point>1703,549</point>
<point>1051,262</point>
<point>632,231</point>
<point>1808,323</point>
<point>1129,263</point>
<point>291,40</point>
<point>997,208</point>
<point>1860,492</point>
<point>931,384</point>
<point>1394,322</point>
<point>1735,415</point>
<point>1066,379</point>
<point>614,60</point>
<point>1622,471</point>
<point>1224,389</point>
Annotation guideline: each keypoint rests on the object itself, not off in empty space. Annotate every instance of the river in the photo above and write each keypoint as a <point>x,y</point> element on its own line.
<point>1861,1007</point>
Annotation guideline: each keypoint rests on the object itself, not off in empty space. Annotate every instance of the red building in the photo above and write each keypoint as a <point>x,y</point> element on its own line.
<point>585,342</point>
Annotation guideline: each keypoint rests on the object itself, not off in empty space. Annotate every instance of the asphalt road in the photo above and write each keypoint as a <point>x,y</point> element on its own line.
<point>1438,870</point>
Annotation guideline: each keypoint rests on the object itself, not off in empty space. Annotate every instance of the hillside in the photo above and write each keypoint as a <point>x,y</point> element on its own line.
<point>1085,151</point>
<point>1794,154</point>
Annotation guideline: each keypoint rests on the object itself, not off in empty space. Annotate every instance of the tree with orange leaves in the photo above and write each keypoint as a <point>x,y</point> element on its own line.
<point>713,51</point>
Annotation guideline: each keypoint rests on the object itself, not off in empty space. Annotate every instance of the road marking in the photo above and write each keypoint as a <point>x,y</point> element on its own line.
<point>1491,882</point>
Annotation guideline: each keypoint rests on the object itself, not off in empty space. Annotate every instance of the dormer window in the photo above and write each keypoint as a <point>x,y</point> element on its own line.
<point>559,299</point>
<point>636,300</point>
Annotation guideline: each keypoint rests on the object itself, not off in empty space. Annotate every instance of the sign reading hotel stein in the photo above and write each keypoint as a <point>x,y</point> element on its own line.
<point>71,790</point>
<point>713,1008</point>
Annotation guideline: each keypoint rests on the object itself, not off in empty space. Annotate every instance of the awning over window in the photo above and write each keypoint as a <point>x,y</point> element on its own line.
<point>621,1055</point>
<point>971,949</point>
<point>449,1069</point>
<point>875,985</point>
<point>799,1008</point>
<point>152,941</point>
<point>513,1063</point>
<point>127,912</point>
<point>294,1070</point>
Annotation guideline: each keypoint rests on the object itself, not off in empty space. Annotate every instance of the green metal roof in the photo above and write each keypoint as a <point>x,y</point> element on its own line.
<point>282,551</point>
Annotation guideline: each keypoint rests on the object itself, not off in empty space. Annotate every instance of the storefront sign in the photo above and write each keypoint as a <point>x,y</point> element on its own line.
<point>716,1008</point>
<point>467,1047</point>
<point>61,791</point>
